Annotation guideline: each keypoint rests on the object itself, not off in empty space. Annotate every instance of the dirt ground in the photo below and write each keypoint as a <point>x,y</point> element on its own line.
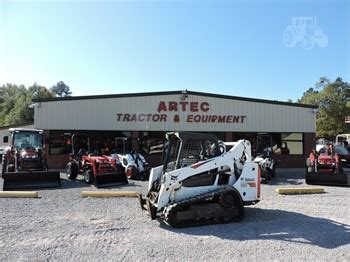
<point>60,225</point>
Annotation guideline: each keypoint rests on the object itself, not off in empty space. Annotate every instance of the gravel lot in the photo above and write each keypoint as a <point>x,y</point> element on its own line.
<point>63,226</point>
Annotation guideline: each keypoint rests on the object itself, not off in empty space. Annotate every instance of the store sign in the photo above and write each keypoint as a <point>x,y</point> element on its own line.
<point>192,112</point>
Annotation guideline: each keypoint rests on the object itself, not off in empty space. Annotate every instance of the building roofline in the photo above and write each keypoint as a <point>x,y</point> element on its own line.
<point>181,92</point>
<point>16,125</point>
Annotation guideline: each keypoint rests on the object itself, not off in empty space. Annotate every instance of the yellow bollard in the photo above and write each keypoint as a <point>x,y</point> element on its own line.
<point>19,194</point>
<point>305,190</point>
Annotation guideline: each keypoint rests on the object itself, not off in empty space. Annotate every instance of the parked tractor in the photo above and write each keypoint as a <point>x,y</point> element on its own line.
<point>134,164</point>
<point>264,157</point>
<point>24,162</point>
<point>99,170</point>
<point>326,169</point>
<point>306,31</point>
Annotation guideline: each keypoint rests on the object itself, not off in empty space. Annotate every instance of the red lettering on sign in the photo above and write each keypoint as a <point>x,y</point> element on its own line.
<point>126,117</point>
<point>142,117</point>
<point>204,106</point>
<point>235,119</point>
<point>173,106</point>
<point>194,106</point>
<point>183,105</point>
<point>119,116</point>
<point>162,106</point>
<point>221,119</point>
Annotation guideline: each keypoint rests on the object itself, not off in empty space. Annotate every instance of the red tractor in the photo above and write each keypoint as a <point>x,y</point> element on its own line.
<point>99,170</point>
<point>24,161</point>
<point>325,169</point>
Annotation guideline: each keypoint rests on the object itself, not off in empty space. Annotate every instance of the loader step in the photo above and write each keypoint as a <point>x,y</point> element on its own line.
<point>223,205</point>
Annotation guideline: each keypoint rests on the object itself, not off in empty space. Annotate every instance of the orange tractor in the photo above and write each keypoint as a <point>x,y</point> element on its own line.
<point>96,169</point>
<point>325,169</point>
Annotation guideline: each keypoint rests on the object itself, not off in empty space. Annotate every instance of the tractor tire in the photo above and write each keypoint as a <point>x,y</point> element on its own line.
<point>273,172</point>
<point>269,175</point>
<point>289,37</point>
<point>308,42</point>
<point>89,176</point>
<point>131,173</point>
<point>309,166</point>
<point>4,164</point>
<point>10,168</point>
<point>72,170</point>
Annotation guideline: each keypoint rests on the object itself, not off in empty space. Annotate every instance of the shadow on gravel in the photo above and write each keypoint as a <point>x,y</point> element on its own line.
<point>289,178</point>
<point>269,224</point>
<point>80,183</point>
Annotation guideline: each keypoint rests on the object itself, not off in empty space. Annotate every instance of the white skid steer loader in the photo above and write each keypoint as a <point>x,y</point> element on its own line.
<point>200,182</point>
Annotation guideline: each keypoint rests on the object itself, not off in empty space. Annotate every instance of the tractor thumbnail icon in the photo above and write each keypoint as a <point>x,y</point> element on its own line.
<point>304,30</point>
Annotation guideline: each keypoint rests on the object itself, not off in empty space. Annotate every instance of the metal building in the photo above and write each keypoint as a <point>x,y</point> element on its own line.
<point>147,116</point>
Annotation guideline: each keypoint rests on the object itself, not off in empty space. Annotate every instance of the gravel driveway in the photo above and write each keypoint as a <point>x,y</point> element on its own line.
<point>63,226</point>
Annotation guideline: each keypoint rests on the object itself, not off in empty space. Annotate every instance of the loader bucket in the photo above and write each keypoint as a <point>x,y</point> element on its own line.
<point>31,180</point>
<point>328,179</point>
<point>110,179</point>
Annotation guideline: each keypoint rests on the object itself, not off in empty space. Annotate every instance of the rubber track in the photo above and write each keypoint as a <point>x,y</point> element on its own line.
<point>197,200</point>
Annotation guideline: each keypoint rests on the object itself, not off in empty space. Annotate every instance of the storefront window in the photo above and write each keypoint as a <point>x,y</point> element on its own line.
<point>294,142</point>
<point>281,143</point>
<point>151,143</point>
<point>100,142</point>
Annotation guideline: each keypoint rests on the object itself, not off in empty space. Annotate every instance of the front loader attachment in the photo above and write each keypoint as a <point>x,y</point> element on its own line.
<point>31,180</point>
<point>147,206</point>
<point>110,179</point>
<point>328,179</point>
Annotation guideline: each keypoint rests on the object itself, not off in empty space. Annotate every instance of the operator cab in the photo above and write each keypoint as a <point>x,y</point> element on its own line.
<point>27,138</point>
<point>185,149</point>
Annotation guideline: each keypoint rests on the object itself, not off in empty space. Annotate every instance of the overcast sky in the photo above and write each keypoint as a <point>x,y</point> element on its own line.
<point>225,47</point>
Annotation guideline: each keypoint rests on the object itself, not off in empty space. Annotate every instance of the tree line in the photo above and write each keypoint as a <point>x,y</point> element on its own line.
<point>16,99</point>
<point>333,102</point>
<point>331,98</point>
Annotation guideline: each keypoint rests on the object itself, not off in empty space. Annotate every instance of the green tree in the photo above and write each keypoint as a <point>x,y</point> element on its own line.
<point>15,101</point>
<point>333,100</point>
<point>61,89</point>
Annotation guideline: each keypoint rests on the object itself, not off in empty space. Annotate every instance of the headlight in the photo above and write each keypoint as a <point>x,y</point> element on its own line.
<point>27,156</point>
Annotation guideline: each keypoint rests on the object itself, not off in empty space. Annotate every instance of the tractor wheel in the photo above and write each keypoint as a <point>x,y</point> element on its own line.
<point>89,176</point>
<point>10,168</point>
<point>309,166</point>
<point>340,169</point>
<point>289,37</point>
<point>72,171</point>
<point>308,42</point>
<point>131,173</point>
<point>273,171</point>
<point>269,174</point>
<point>4,164</point>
